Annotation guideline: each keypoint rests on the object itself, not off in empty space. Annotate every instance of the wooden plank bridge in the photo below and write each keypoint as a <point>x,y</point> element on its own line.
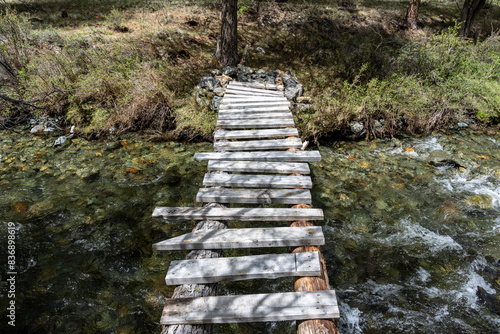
<point>257,159</point>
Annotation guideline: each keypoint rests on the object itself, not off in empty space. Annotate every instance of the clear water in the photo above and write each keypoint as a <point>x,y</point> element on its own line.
<point>406,252</point>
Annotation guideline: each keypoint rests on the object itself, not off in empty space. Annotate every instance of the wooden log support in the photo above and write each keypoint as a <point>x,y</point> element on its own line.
<point>313,326</point>
<point>197,290</point>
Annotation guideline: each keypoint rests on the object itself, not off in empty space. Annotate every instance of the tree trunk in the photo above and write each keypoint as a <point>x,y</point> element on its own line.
<point>228,46</point>
<point>469,11</point>
<point>412,14</point>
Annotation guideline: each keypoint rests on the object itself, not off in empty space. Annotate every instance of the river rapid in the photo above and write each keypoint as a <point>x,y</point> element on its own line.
<point>411,247</point>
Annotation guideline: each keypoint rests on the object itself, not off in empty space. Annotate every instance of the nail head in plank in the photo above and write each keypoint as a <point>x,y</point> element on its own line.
<point>252,145</point>
<point>245,238</point>
<point>254,196</point>
<point>257,181</point>
<point>268,266</point>
<point>255,134</point>
<point>263,167</point>
<point>267,123</point>
<point>288,156</point>
<point>244,115</point>
<point>241,214</point>
<point>285,306</point>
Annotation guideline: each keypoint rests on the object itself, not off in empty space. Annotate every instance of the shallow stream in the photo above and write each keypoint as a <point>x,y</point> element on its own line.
<point>411,247</point>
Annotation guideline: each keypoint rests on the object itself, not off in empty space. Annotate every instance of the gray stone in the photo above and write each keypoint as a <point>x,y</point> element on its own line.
<point>37,128</point>
<point>261,71</point>
<point>215,72</point>
<point>214,105</point>
<point>260,50</point>
<point>230,71</point>
<point>209,82</point>
<point>462,125</point>
<point>292,92</point>
<point>219,91</point>
<point>245,70</point>
<point>357,127</point>
<point>49,129</point>
<point>61,140</point>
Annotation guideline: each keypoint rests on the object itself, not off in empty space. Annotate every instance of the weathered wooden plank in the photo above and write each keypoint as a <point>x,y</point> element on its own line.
<point>268,266</point>
<point>285,156</point>
<point>244,238</point>
<point>241,214</point>
<point>254,196</point>
<point>252,308</point>
<point>255,85</point>
<point>243,115</point>
<point>268,123</point>
<point>255,134</point>
<point>255,105</point>
<point>255,110</point>
<point>252,145</point>
<point>232,99</point>
<point>257,181</point>
<point>252,100</point>
<point>262,167</point>
<point>251,91</point>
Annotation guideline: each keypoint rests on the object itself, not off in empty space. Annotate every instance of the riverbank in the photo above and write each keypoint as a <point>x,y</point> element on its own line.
<point>135,66</point>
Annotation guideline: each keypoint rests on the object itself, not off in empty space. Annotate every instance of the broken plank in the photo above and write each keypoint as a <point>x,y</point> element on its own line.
<point>268,266</point>
<point>289,156</point>
<point>251,308</point>
<point>241,214</point>
<point>268,123</point>
<point>257,181</point>
<point>254,196</point>
<point>243,115</point>
<point>245,238</point>
<point>255,134</point>
<point>262,167</point>
<point>252,145</point>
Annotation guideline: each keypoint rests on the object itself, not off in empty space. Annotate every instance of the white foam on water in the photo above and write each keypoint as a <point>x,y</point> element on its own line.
<point>459,184</point>
<point>350,318</point>
<point>427,145</point>
<point>414,234</point>
<point>422,276</point>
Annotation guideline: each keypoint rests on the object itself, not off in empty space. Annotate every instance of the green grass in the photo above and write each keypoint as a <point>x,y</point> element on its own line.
<point>356,63</point>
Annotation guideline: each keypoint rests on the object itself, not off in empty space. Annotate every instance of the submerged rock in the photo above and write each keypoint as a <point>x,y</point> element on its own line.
<point>441,158</point>
<point>491,301</point>
<point>41,209</point>
<point>480,201</point>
